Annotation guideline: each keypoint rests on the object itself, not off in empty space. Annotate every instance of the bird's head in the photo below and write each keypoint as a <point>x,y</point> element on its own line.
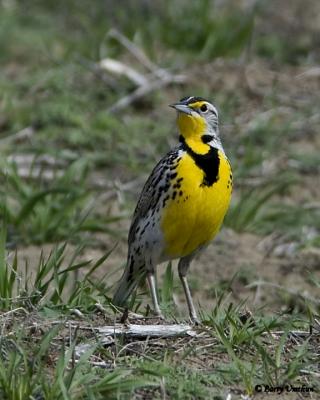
<point>197,122</point>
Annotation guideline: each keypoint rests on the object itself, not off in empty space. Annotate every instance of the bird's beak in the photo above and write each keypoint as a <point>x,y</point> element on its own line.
<point>182,108</point>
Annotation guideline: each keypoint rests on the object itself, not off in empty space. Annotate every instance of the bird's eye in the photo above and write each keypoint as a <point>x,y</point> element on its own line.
<point>204,108</point>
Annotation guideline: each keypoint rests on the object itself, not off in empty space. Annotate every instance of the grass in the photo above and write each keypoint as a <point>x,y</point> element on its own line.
<point>45,369</point>
<point>41,211</point>
<point>259,210</point>
<point>22,377</point>
<point>250,353</point>
<point>70,174</point>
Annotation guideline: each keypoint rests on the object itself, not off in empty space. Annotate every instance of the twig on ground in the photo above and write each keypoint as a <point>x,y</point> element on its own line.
<point>128,347</point>
<point>134,50</point>
<point>77,312</point>
<point>118,68</point>
<point>14,311</point>
<point>24,134</point>
<point>302,334</point>
<point>164,331</point>
<point>29,166</point>
<point>142,91</point>
<point>310,73</point>
<point>305,371</point>
<point>158,78</point>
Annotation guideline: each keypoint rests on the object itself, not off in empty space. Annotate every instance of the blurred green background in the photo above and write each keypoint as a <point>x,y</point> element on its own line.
<point>74,158</point>
<point>62,149</point>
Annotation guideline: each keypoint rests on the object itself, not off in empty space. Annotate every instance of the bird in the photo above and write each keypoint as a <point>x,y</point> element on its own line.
<point>182,204</point>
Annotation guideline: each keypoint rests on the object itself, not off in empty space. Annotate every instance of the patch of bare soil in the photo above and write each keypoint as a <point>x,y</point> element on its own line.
<point>263,271</point>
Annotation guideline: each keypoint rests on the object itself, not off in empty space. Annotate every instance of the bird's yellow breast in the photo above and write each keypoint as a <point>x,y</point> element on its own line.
<point>194,215</point>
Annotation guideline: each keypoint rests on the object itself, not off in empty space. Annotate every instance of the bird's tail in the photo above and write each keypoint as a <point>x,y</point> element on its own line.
<point>126,286</point>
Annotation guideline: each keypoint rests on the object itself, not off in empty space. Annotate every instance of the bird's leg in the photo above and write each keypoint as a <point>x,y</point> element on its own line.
<point>183,267</point>
<point>153,290</point>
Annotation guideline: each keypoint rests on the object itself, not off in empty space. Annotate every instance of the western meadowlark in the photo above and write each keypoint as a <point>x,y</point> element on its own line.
<point>182,204</point>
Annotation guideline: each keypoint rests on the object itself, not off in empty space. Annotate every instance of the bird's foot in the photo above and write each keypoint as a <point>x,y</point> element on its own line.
<point>195,320</point>
<point>155,314</point>
<point>159,315</point>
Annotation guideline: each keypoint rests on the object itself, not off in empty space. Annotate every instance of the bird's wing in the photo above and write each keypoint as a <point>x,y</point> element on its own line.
<point>153,187</point>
